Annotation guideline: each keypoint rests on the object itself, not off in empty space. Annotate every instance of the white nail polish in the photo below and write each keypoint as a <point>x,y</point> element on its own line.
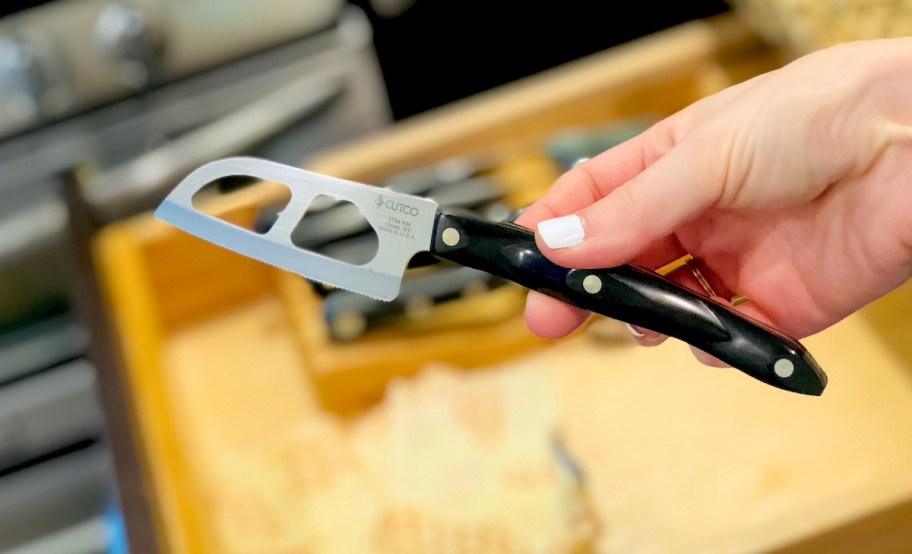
<point>634,332</point>
<point>562,232</point>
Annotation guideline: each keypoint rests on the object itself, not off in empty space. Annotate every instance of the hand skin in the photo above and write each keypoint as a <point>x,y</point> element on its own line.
<point>794,188</point>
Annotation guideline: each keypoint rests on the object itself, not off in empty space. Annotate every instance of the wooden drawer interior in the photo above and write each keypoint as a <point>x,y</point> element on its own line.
<point>221,351</point>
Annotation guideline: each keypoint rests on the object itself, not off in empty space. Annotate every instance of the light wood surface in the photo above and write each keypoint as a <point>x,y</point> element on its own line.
<point>689,458</point>
<point>677,456</point>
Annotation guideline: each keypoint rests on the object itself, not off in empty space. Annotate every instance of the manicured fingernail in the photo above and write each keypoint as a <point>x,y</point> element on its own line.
<point>634,332</point>
<point>562,232</point>
<point>579,161</point>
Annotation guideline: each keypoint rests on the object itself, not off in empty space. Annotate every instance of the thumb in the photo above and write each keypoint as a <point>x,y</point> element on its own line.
<point>677,188</point>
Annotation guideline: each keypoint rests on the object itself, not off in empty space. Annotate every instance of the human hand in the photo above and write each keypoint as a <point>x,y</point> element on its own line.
<point>793,189</point>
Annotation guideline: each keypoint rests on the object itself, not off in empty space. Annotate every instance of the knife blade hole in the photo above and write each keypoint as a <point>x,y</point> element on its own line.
<point>230,199</point>
<point>336,229</point>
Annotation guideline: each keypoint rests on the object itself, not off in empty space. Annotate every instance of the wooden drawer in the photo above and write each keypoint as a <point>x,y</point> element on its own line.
<point>221,351</point>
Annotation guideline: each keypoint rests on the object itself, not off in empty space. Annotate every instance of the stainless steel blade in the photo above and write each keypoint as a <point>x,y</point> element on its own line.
<point>404,224</point>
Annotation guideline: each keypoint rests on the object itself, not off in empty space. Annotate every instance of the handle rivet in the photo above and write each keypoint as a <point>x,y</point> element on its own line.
<point>784,368</point>
<point>592,284</point>
<point>450,236</point>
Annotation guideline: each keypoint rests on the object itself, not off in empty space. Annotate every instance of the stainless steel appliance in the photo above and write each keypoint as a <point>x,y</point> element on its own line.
<point>130,94</point>
<point>271,78</point>
<point>64,56</point>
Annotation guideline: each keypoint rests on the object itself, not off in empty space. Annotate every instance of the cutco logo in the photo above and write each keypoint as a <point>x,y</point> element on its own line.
<point>395,206</point>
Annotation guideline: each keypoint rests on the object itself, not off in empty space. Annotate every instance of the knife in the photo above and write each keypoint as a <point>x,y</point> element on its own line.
<point>349,314</point>
<point>407,224</point>
<point>343,221</point>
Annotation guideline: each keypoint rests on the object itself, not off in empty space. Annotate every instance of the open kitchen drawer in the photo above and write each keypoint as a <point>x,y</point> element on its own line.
<point>221,351</point>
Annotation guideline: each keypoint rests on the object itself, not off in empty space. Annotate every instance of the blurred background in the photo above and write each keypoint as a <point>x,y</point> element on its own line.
<point>110,410</point>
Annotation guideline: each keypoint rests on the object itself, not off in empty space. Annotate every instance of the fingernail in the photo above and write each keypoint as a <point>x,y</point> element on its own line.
<point>634,332</point>
<point>562,232</point>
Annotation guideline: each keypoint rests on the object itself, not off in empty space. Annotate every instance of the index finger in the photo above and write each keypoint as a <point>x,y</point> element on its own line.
<point>595,178</point>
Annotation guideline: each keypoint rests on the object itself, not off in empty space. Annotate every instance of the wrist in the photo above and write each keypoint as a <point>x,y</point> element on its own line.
<point>878,93</point>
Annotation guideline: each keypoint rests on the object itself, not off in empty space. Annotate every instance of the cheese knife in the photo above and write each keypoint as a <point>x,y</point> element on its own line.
<point>407,225</point>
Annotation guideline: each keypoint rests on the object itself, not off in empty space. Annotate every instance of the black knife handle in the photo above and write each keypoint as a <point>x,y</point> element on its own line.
<point>633,295</point>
